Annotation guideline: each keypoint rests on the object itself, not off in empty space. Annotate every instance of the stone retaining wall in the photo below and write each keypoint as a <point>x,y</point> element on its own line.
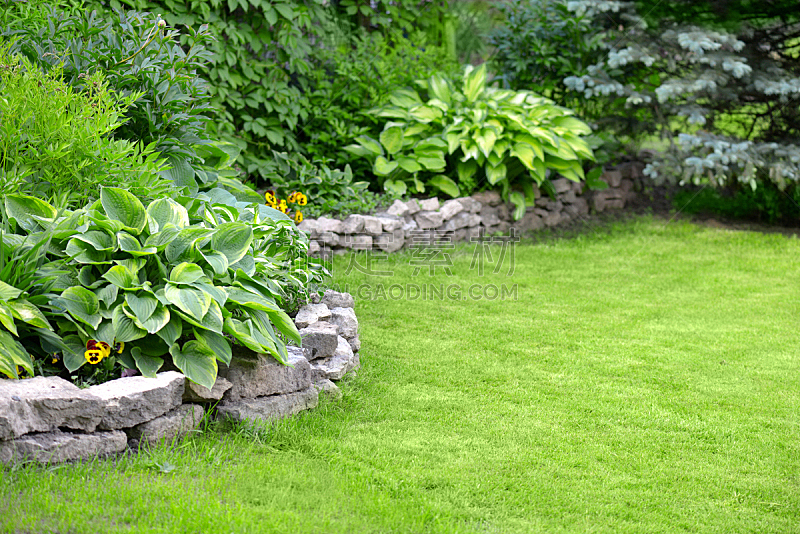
<point>50,420</point>
<point>469,217</point>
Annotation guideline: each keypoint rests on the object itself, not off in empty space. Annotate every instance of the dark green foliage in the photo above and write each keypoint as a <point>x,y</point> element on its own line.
<point>766,204</point>
<point>137,54</point>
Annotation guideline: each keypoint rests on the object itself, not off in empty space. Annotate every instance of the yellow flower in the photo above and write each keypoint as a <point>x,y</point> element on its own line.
<point>119,347</point>
<point>283,207</point>
<point>105,348</point>
<point>298,217</point>
<point>93,356</point>
<point>55,358</point>
<point>302,199</point>
<point>292,198</point>
<point>270,198</point>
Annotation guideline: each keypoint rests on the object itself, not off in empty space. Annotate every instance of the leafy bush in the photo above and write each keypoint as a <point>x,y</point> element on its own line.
<point>142,61</point>
<point>329,191</point>
<point>510,139</point>
<point>55,143</point>
<point>178,279</point>
<point>766,203</point>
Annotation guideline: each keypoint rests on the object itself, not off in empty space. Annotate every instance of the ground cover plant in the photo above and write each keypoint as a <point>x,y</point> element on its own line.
<point>644,381</point>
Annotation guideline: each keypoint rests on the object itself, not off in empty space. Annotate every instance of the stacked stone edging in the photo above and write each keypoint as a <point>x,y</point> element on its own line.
<point>466,218</point>
<point>50,420</point>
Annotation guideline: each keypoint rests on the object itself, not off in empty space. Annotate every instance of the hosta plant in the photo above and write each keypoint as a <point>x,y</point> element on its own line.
<point>455,139</point>
<point>177,280</point>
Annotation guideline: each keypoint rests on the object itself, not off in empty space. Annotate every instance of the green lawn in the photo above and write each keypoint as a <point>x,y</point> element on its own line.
<point>646,380</point>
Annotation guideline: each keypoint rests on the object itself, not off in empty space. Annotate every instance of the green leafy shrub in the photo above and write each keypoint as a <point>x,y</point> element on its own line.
<point>56,143</point>
<point>137,56</point>
<point>329,191</point>
<point>766,203</point>
<point>355,71</point>
<point>509,139</point>
<point>176,280</point>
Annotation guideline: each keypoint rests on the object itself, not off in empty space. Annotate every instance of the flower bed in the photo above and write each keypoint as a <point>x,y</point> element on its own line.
<point>50,420</point>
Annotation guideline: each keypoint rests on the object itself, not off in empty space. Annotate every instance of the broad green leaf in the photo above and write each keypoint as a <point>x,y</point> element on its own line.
<point>404,98</point>
<point>162,238</point>
<point>125,328</point>
<point>285,324</point>
<point>81,304</point>
<point>392,139</point>
<point>232,239</point>
<point>75,357</point>
<point>8,292</point>
<point>28,313</point>
<point>171,331</point>
<point>524,152</point>
<point>213,320</point>
<point>572,124</point>
<point>196,361</point>
<point>131,245</point>
<point>166,211</point>
<point>251,300</point>
<point>425,114</point>
<point>122,277</point>
<point>142,305</point>
<point>486,141</point>
<point>124,207</point>
<point>186,273</point>
<point>7,318</point>
<point>217,343</point>
<point>147,365</point>
<point>466,170</point>
<point>217,261</point>
<point>217,293</point>
<point>242,332</point>
<point>158,320</point>
<point>83,252</point>
<point>13,354</point>
<point>564,151</point>
<point>495,174</point>
<point>440,88</point>
<point>474,82</point>
<point>518,199</point>
<point>395,186</point>
<point>100,241</point>
<point>24,210</point>
<point>181,248</point>
<point>359,150</point>
<point>436,164</point>
<point>107,294</point>
<point>383,167</point>
<point>445,184</point>
<point>408,164</point>
<point>370,144</point>
<point>190,301</point>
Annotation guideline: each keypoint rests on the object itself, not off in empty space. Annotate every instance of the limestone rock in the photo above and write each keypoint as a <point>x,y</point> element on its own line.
<point>58,446</point>
<point>313,247</point>
<point>390,241</point>
<point>311,313</point>
<point>409,227</point>
<point>468,234</point>
<point>323,385</point>
<point>489,215</point>
<point>612,178</point>
<point>331,239</point>
<point>429,204</point>
<point>569,197</point>
<point>335,299</point>
<point>581,205</point>
<point>529,222</point>
<point>372,225</point>
<point>136,399</point>
<point>42,404</point>
<point>427,220</point>
<point>488,198</point>
<point>390,224</point>
<point>172,426</point>
<point>325,224</point>
<point>399,209</point>
<point>196,393</point>
<point>320,339</point>
<point>450,208</point>
<point>355,343</point>
<point>552,219</point>
<point>470,204</point>
<point>345,319</point>
<point>413,206</point>
<point>561,185</point>
<point>462,220</point>
<point>338,365</point>
<point>269,408</point>
<point>309,226</point>
<point>255,375</point>
<point>353,224</point>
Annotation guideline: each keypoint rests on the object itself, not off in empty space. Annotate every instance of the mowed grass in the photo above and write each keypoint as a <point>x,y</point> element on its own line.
<point>645,380</point>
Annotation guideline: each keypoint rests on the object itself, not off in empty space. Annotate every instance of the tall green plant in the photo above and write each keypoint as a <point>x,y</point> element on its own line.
<point>476,134</point>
